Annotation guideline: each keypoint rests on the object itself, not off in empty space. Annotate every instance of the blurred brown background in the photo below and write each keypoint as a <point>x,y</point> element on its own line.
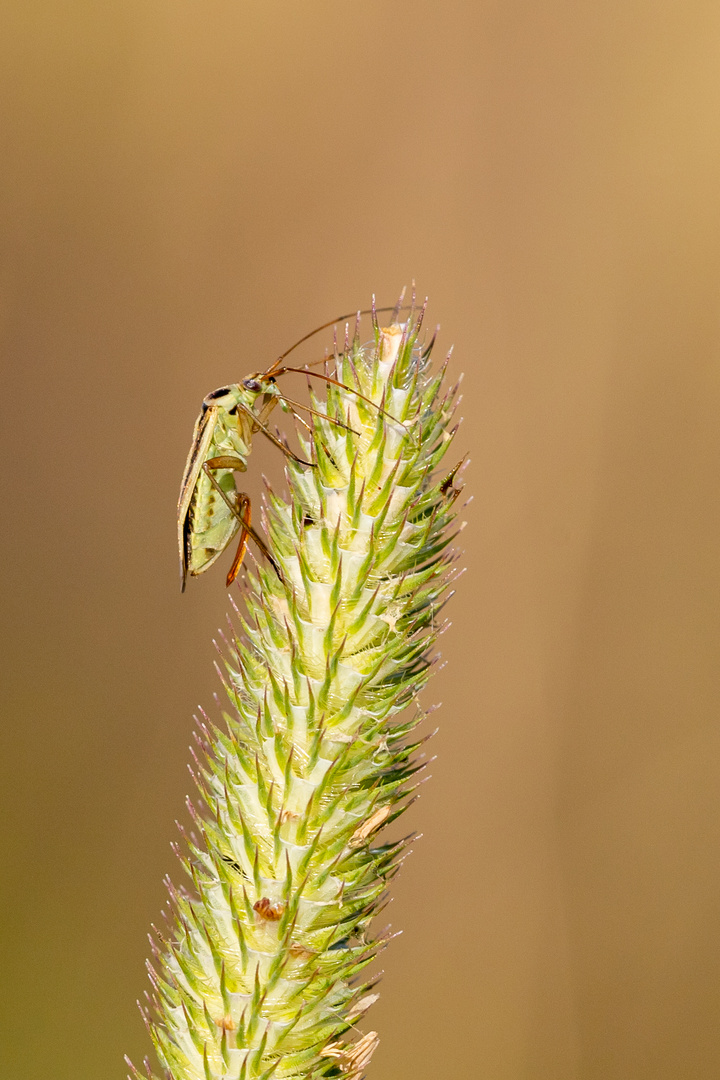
<point>188,186</point>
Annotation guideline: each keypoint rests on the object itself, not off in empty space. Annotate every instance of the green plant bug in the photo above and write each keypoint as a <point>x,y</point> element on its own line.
<point>211,510</point>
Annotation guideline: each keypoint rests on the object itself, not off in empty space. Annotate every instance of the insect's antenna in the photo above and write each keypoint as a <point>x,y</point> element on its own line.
<point>368,311</point>
<point>348,389</point>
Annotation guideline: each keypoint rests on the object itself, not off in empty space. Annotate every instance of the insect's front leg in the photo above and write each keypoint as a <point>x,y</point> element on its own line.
<point>264,414</point>
<point>273,439</point>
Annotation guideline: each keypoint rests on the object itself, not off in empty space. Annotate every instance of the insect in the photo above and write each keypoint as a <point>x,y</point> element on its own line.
<point>211,510</point>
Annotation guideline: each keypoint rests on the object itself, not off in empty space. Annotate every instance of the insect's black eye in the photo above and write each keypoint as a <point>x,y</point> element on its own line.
<point>218,393</point>
<point>253,385</point>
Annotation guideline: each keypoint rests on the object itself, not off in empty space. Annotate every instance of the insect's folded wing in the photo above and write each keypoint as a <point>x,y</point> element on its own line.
<point>202,439</point>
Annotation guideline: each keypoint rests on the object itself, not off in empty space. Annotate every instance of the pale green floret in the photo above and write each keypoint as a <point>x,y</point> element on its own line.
<point>259,973</point>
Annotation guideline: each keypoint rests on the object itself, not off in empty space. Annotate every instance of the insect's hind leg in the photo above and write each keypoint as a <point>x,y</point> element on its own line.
<point>242,513</point>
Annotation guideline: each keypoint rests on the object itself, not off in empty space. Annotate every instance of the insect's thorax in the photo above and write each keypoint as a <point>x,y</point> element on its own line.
<point>236,408</point>
<point>232,435</point>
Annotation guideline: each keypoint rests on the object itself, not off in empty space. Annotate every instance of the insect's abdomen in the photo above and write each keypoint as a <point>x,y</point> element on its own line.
<point>211,523</point>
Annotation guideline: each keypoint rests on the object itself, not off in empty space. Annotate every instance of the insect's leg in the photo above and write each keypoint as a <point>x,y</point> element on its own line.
<point>264,414</point>
<point>331,419</point>
<point>244,512</point>
<point>349,389</point>
<point>225,461</point>
<point>267,409</point>
<point>230,463</point>
<point>266,431</point>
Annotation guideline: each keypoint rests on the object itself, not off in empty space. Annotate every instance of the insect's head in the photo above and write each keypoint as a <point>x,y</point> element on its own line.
<point>260,384</point>
<point>244,393</point>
